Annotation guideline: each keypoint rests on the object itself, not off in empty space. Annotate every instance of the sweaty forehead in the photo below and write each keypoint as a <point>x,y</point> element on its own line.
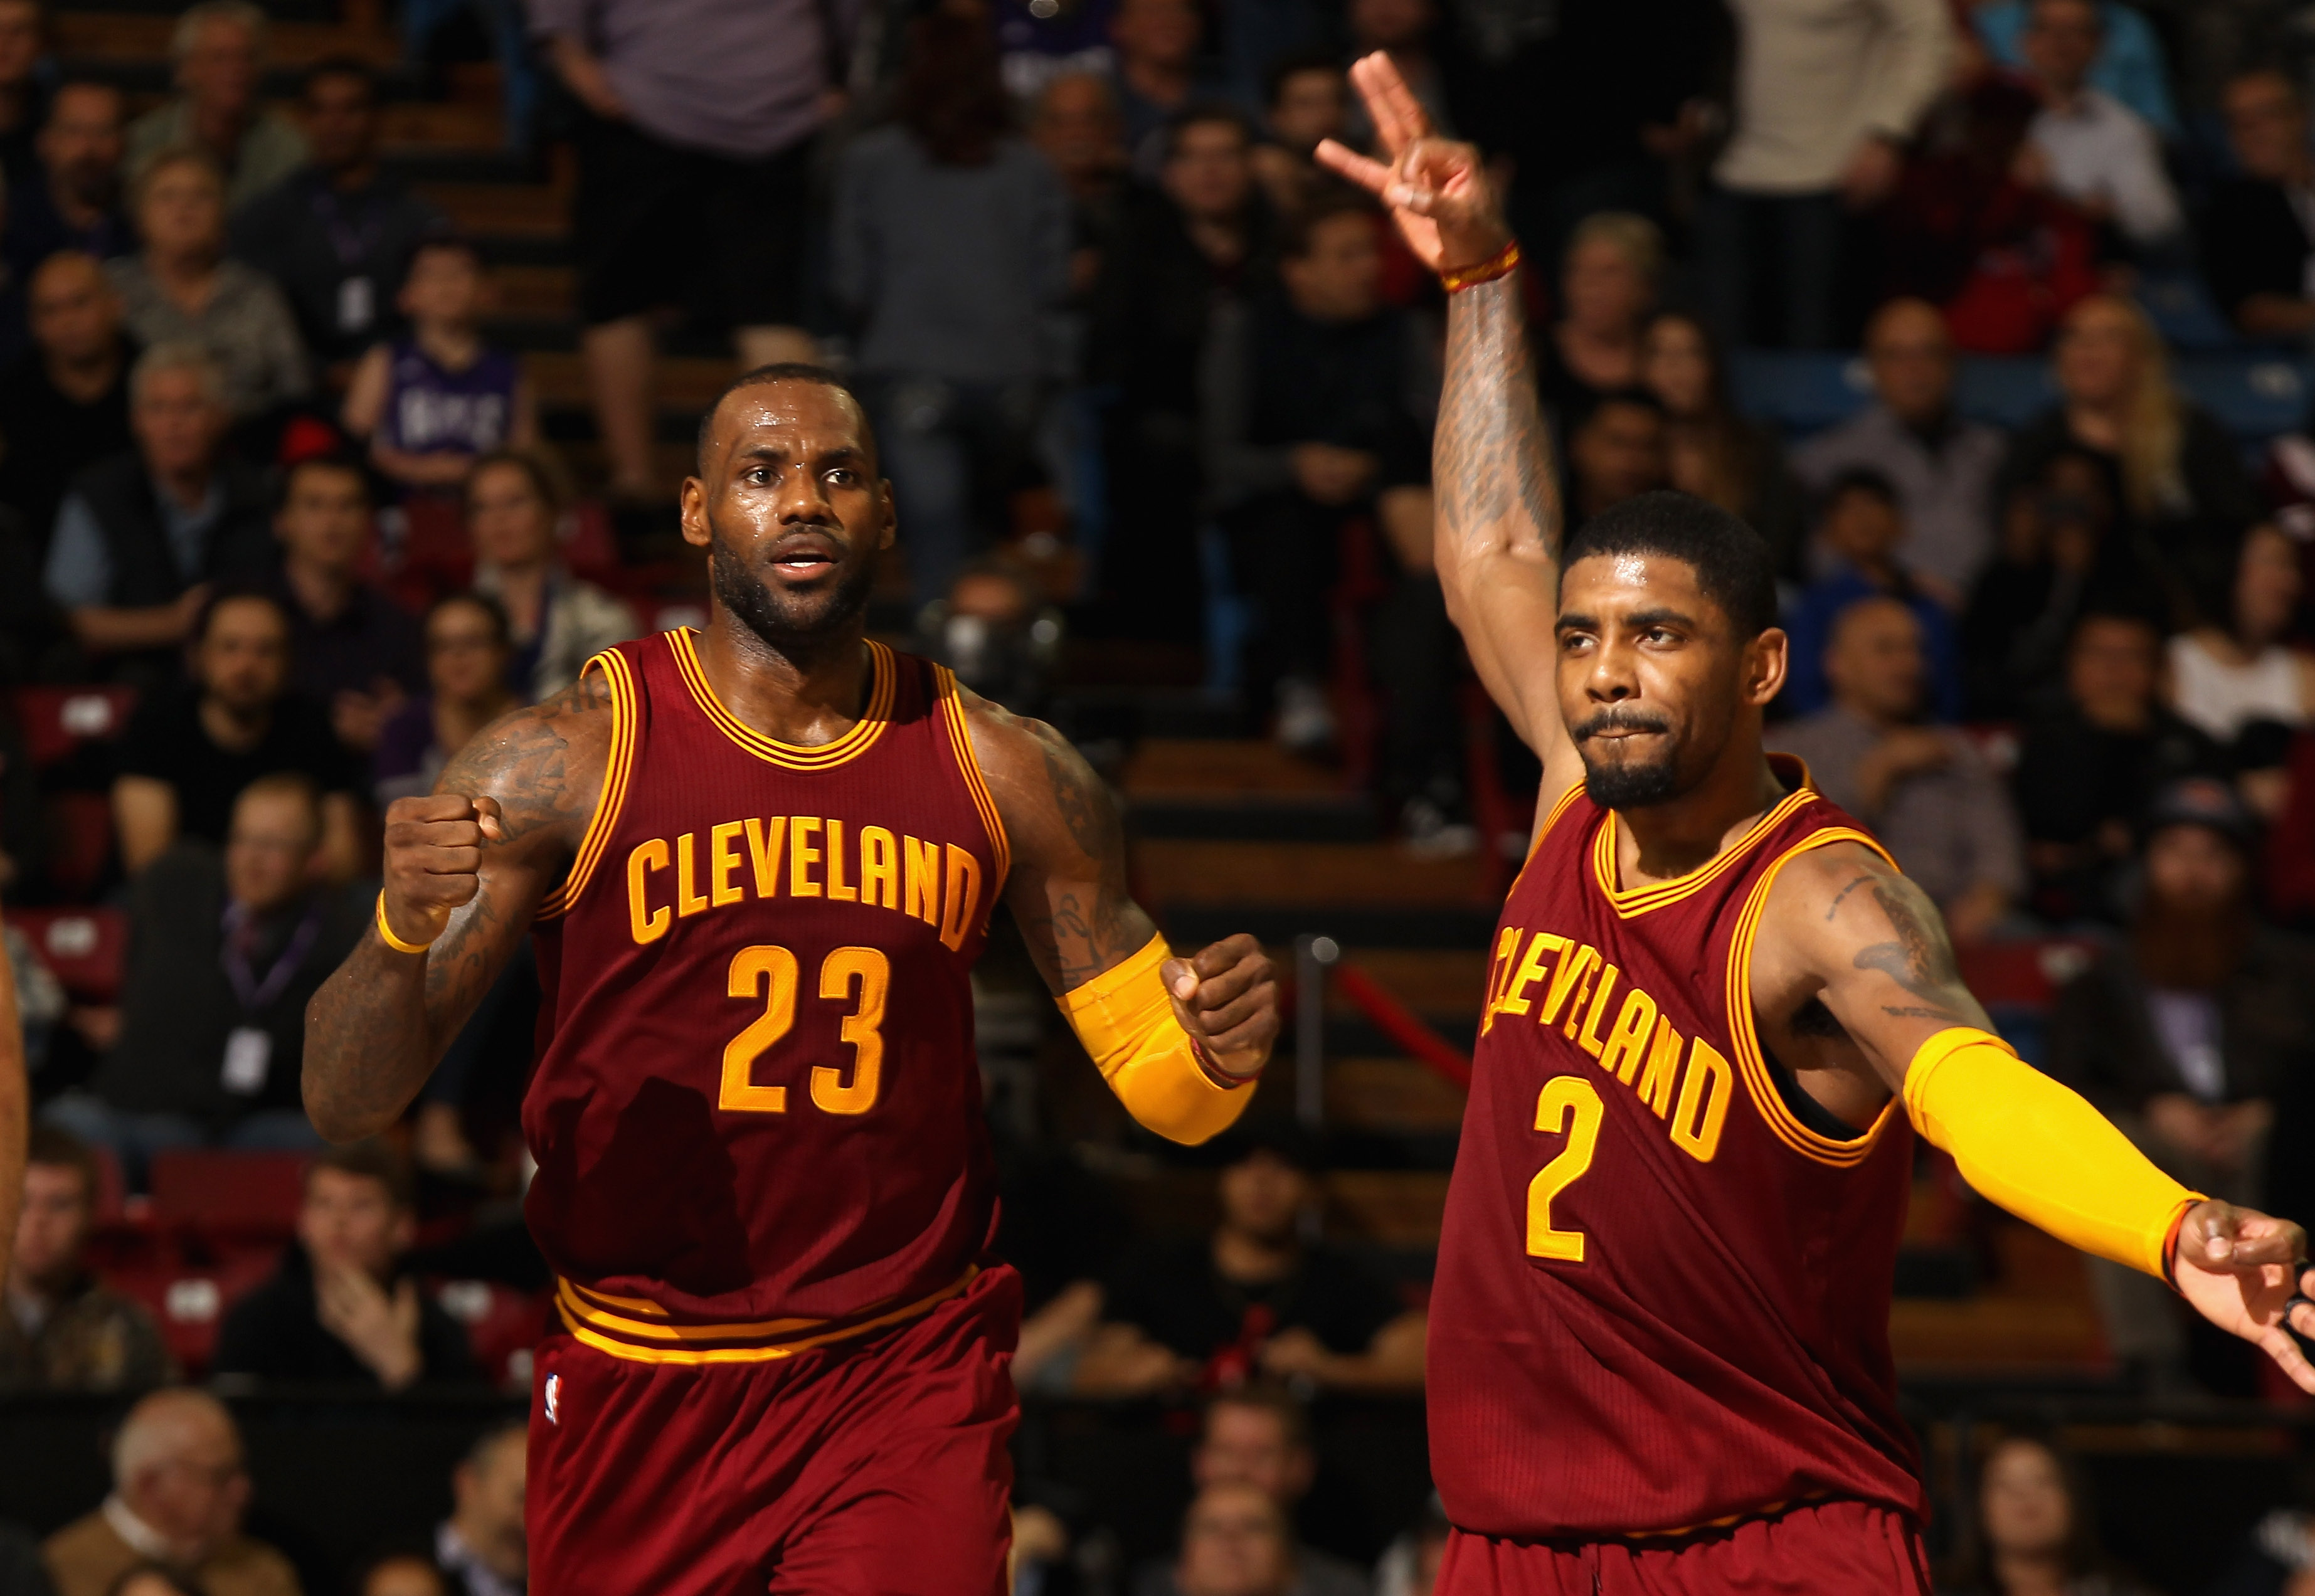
<point>1629,578</point>
<point>796,415</point>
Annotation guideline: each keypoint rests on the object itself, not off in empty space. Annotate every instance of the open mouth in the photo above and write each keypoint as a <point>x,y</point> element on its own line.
<point>806,560</point>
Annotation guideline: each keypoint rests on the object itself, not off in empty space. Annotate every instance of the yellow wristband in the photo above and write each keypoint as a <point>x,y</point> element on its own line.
<point>386,932</point>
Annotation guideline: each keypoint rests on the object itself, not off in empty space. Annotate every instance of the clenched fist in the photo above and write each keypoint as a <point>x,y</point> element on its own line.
<point>434,859</point>
<point>1227,996</point>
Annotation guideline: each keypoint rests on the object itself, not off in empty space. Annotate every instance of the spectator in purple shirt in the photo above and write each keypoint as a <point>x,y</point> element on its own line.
<point>696,116</point>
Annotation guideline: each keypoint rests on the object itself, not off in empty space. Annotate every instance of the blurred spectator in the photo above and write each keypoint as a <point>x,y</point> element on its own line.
<point>340,1311</point>
<point>2258,231</point>
<point>2278,1557</point>
<point>1158,72</point>
<point>1078,128</point>
<point>430,404</point>
<point>2130,65</point>
<point>1409,1566</point>
<point>1317,406</point>
<point>64,405</point>
<point>1235,1542</point>
<point>23,96</point>
<point>140,537</point>
<point>2085,144</point>
<point>2033,1533</point>
<point>2087,769</point>
<point>1260,1437</point>
<point>1606,288</point>
<point>995,630</point>
<point>219,51</point>
<point>356,648</point>
<point>1715,453</point>
<point>951,250</point>
<point>71,200</point>
<point>187,755</point>
<point>178,1491</point>
<point>1858,537</point>
<point>1941,464</point>
<point>66,1330</point>
<point>1401,30</point>
<point>481,1544</point>
<point>40,1001</point>
<point>1254,1298</point>
<point>402,1574</point>
<point>1928,793</point>
<point>466,650</point>
<point>150,1579</point>
<point>224,949</point>
<point>1306,98</point>
<point>697,122</point>
<point>2182,475</point>
<point>1200,236</point>
<point>337,236</point>
<point>514,507</point>
<point>183,289</point>
<point>2235,671</point>
<point>1827,94</point>
<point>1616,450</point>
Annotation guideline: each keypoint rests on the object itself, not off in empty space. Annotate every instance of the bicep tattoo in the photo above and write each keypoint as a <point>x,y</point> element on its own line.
<point>1075,909</point>
<point>1916,955</point>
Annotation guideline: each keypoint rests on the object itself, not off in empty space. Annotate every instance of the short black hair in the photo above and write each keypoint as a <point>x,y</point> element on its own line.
<point>371,1159</point>
<point>1288,67</point>
<point>1858,479</point>
<point>783,371</point>
<point>241,592</point>
<point>1198,115</point>
<point>352,67</point>
<point>1733,565</point>
<point>1583,413</point>
<point>330,460</point>
<point>1301,233</point>
<point>447,241</point>
<point>502,629</point>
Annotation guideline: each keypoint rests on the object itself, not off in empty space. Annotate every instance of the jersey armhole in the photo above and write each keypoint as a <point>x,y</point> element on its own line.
<point>1553,817</point>
<point>968,764</point>
<point>619,676</point>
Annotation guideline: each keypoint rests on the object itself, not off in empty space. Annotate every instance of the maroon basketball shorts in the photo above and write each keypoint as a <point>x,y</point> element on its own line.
<point>875,1466</point>
<point>1824,1549</point>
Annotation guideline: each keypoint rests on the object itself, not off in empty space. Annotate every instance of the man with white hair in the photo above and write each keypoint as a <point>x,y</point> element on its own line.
<point>140,537</point>
<point>178,1491</point>
<point>219,51</point>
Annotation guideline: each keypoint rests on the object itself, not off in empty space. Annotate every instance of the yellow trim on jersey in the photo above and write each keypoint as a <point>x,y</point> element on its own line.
<point>790,756</point>
<point>1551,818</point>
<point>960,737</point>
<point>1751,1063</point>
<point>620,678</point>
<point>756,1354</point>
<point>1640,900</point>
<point>580,1307</point>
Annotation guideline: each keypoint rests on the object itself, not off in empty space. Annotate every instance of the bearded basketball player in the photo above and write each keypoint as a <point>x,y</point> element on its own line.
<point>1659,1356</point>
<point>757,863</point>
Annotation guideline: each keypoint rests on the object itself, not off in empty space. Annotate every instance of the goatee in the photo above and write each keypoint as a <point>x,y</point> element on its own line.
<point>794,626</point>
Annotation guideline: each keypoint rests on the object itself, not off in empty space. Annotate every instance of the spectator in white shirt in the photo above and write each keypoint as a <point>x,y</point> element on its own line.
<point>2086,145</point>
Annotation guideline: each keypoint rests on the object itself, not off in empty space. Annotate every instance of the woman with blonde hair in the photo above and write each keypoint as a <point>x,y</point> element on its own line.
<point>1606,288</point>
<point>2183,478</point>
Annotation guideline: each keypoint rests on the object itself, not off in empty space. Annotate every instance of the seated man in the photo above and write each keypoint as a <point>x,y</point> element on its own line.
<point>1925,790</point>
<point>141,536</point>
<point>1259,1436</point>
<point>481,1545</point>
<point>73,199</point>
<point>1858,537</point>
<point>64,406</point>
<point>2086,146</point>
<point>2258,245</point>
<point>179,1492</point>
<point>187,755</point>
<point>223,954</point>
<point>340,1311</point>
<point>1616,449</point>
<point>357,650</point>
<point>218,49</point>
<point>1235,1542</point>
<point>1254,1298</point>
<point>65,1330</point>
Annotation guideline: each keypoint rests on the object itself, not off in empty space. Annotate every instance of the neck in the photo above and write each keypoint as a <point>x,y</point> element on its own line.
<point>84,377</point>
<point>2062,96</point>
<point>1220,239</point>
<point>1662,841</point>
<point>451,347</point>
<point>234,730</point>
<point>1157,81</point>
<point>1252,1259</point>
<point>77,211</point>
<point>2030,1574</point>
<point>220,128</point>
<point>322,591</point>
<point>188,487</point>
<point>807,691</point>
<point>187,269</point>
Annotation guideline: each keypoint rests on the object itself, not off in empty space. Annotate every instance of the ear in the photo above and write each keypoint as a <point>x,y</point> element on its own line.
<point>1766,659</point>
<point>693,512</point>
<point>891,530</point>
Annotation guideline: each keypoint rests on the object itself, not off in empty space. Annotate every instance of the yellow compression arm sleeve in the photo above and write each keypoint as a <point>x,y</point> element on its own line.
<point>2040,1151</point>
<point>1126,1021</point>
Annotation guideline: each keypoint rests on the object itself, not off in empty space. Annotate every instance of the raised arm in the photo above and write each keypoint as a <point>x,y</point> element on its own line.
<point>1855,976</point>
<point>1179,1040</point>
<point>1498,520</point>
<point>465,870</point>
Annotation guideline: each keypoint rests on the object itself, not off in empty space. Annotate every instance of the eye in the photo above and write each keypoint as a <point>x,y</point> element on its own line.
<point>757,475</point>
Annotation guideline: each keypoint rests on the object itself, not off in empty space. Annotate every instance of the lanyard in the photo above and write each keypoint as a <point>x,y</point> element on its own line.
<point>352,241</point>
<point>256,994</point>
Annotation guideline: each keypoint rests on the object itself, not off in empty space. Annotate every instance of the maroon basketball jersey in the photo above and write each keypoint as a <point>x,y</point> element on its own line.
<point>756,1109</point>
<point>1663,1297</point>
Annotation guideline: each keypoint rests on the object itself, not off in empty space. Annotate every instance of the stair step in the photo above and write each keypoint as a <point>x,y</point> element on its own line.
<point>1372,874</point>
<point>1441,984</point>
<point>686,384</point>
<point>1391,1094</point>
<point>145,35</point>
<point>502,210</point>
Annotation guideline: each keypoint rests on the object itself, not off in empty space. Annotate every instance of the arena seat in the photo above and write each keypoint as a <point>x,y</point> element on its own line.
<point>190,1301</point>
<point>57,720</point>
<point>2022,975</point>
<point>224,1194</point>
<point>85,947</point>
<point>501,1323</point>
<point>79,841</point>
<point>2257,395</point>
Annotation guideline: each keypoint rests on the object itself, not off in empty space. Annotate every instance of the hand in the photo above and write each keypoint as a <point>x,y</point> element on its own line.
<point>1226,996</point>
<point>1330,475</point>
<point>1296,1352</point>
<point>189,607</point>
<point>1438,190</point>
<point>2239,1268</point>
<point>434,858</point>
<point>1872,173</point>
<point>382,1331</point>
<point>1910,750</point>
<point>582,74</point>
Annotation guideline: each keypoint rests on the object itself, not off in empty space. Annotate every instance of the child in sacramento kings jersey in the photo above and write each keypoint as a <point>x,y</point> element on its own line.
<point>1663,1284</point>
<point>431,403</point>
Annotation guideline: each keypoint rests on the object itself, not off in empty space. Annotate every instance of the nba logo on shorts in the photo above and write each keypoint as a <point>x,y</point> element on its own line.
<point>553,1399</point>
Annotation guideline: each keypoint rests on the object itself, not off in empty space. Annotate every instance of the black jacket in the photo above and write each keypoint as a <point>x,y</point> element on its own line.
<point>275,1333</point>
<point>119,492</point>
<point>2103,1041</point>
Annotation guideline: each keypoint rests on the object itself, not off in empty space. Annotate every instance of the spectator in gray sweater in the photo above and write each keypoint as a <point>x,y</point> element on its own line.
<point>952,257</point>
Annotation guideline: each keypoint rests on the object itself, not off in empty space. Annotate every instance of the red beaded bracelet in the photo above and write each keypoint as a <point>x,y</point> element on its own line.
<point>1457,279</point>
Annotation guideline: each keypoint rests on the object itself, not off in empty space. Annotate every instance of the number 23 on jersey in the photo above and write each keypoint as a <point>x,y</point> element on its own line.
<point>770,972</point>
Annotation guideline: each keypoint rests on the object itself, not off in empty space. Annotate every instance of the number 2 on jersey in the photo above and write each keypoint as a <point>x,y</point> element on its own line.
<point>772,972</point>
<point>1568,1107</point>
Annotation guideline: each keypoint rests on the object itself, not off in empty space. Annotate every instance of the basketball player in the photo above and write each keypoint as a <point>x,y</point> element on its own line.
<point>758,864</point>
<point>1659,1353</point>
